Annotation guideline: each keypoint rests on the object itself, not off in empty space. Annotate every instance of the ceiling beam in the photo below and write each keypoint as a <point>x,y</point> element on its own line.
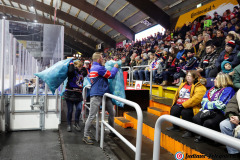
<point>73,43</point>
<point>102,16</point>
<point>153,11</point>
<point>70,19</point>
<point>40,19</point>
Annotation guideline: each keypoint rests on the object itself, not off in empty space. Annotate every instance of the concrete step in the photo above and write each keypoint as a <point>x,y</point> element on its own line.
<point>123,122</point>
<point>173,142</point>
<point>157,111</point>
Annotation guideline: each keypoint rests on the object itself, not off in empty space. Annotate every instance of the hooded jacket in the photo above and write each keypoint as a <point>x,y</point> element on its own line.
<point>223,68</point>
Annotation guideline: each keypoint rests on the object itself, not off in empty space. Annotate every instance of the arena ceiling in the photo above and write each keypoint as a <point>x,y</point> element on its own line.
<point>90,22</point>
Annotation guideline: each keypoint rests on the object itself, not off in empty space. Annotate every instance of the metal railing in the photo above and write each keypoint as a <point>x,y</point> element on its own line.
<point>145,81</point>
<point>129,72</point>
<point>138,147</point>
<point>203,131</point>
<point>84,109</point>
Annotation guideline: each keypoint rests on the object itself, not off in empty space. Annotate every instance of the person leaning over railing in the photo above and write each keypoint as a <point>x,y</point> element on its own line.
<point>214,103</point>
<point>231,125</point>
<point>188,97</point>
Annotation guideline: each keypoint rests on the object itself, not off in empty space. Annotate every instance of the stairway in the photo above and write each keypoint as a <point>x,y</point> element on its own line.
<point>170,140</point>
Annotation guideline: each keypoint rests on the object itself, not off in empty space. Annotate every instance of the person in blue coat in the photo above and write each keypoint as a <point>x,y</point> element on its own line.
<point>99,76</point>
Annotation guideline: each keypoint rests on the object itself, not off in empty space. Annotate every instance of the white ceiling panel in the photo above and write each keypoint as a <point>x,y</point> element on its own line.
<point>115,6</point>
<point>90,19</point>
<point>73,11</point>
<point>65,7</point>
<point>82,15</point>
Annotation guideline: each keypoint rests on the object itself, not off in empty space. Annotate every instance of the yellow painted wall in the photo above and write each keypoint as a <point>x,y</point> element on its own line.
<point>210,8</point>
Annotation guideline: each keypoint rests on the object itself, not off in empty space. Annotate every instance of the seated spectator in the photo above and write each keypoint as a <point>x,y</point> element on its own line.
<point>155,66</point>
<point>181,64</point>
<point>214,104</point>
<point>229,27</point>
<point>201,51</point>
<point>181,51</point>
<point>219,39</point>
<point>169,69</point>
<point>200,40</point>
<point>230,126</point>
<point>216,18</point>
<point>207,63</point>
<point>207,39</point>
<point>147,69</point>
<point>228,54</point>
<point>141,71</point>
<point>191,64</point>
<point>188,96</point>
<point>236,75</point>
<point>135,71</point>
<point>227,68</point>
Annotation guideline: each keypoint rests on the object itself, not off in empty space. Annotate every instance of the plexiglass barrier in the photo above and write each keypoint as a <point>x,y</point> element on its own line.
<point>25,49</point>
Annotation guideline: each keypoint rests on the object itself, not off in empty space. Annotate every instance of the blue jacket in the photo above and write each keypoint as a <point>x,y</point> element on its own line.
<point>99,76</point>
<point>220,103</point>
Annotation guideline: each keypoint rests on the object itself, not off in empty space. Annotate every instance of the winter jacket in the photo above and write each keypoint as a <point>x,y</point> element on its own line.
<point>236,77</point>
<point>144,62</point>
<point>99,76</point>
<point>197,92</point>
<point>233,106</point>
<point>192,63</point>
<point>75,83</point>
<point>75,78</point>
<point>208,61</point>
<point>221,102</point>
<point>180,53</point>
<point>232,58</point>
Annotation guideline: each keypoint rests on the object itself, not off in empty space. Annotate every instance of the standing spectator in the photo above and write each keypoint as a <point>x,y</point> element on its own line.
<point>99,76</point>
<point>168,70</point>
<point>188,96</point>
<point>73,93</point>
<point>214,102</point>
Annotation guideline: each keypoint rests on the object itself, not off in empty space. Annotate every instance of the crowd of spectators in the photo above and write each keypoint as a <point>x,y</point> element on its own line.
<point>206,48</point>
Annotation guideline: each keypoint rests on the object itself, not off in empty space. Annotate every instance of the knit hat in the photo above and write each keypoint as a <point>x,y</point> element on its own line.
<point>231,43</point>
<point>223,68</point>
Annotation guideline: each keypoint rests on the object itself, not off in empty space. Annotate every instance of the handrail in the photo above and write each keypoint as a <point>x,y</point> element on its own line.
<point>150,77</point>
<point>138,147</point>
<point>129,70</point>
<point>203,131</point>
<point>85,107</point>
